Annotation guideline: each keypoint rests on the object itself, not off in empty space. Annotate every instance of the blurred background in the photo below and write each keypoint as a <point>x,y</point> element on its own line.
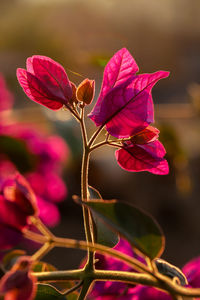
<point>82,36</point>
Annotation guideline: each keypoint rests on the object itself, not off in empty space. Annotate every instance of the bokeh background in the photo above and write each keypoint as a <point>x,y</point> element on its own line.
<point>82,36</point>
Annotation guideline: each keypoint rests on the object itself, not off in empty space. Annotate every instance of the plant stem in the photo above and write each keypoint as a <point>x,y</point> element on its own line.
<point>42,251</point>
<point>75,287</point>
<point>60,275</point>
<point>156,280</point>
<point>162,282</point>
<point>85,289</point>
<point>42,228</point>
<point>94,136</point>
<point>70,243</point>
<point>84,191</point>
<point>38,238</point>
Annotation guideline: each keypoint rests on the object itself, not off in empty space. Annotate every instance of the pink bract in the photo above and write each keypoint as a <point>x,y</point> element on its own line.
<point>149,134</point>
<point>45,82</point>
<point>125,103</point>
<point>119,68</point>
<point>147,157</point>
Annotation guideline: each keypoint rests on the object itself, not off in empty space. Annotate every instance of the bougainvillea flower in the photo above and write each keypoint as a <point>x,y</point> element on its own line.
<point>6,98</point>
<point>17,203</point>
<point>18,283</point>
<point>143,157</point>
<point>45,82</point>
<point>125,104</point>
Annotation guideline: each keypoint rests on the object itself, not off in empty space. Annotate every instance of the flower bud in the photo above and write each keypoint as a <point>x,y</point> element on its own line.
<point>73,99</point>
<point>85,91</point>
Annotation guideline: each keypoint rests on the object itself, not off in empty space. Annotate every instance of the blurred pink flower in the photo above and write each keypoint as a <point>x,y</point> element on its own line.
<point>18,283</point>
<point>17,203</point>
<point>6,98</point>
<point>48,156</point>
<point>50,153</point>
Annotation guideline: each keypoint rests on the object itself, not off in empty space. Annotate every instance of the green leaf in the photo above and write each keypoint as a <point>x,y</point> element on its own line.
<point>139,228</point>
<point>103,234</point>
<point>48,292</point>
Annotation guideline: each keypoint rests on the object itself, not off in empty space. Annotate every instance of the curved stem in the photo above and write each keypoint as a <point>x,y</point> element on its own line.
<point>75,287</point>
<point>109,143</point>
<point>99,145</point>
<point>84,245</point>
<point>70,243</point>
<point>75,114</point>
<point>94,136</point>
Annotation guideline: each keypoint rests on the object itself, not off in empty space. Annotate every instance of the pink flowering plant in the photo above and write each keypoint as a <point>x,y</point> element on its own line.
<point>123,243</point>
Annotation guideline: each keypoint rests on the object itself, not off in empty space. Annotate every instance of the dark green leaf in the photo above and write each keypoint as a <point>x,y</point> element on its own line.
<point>103,234</point>
<point>139,228</point>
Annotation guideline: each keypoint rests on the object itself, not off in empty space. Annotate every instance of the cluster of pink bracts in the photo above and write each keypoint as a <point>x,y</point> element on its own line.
<point>124,106</point>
